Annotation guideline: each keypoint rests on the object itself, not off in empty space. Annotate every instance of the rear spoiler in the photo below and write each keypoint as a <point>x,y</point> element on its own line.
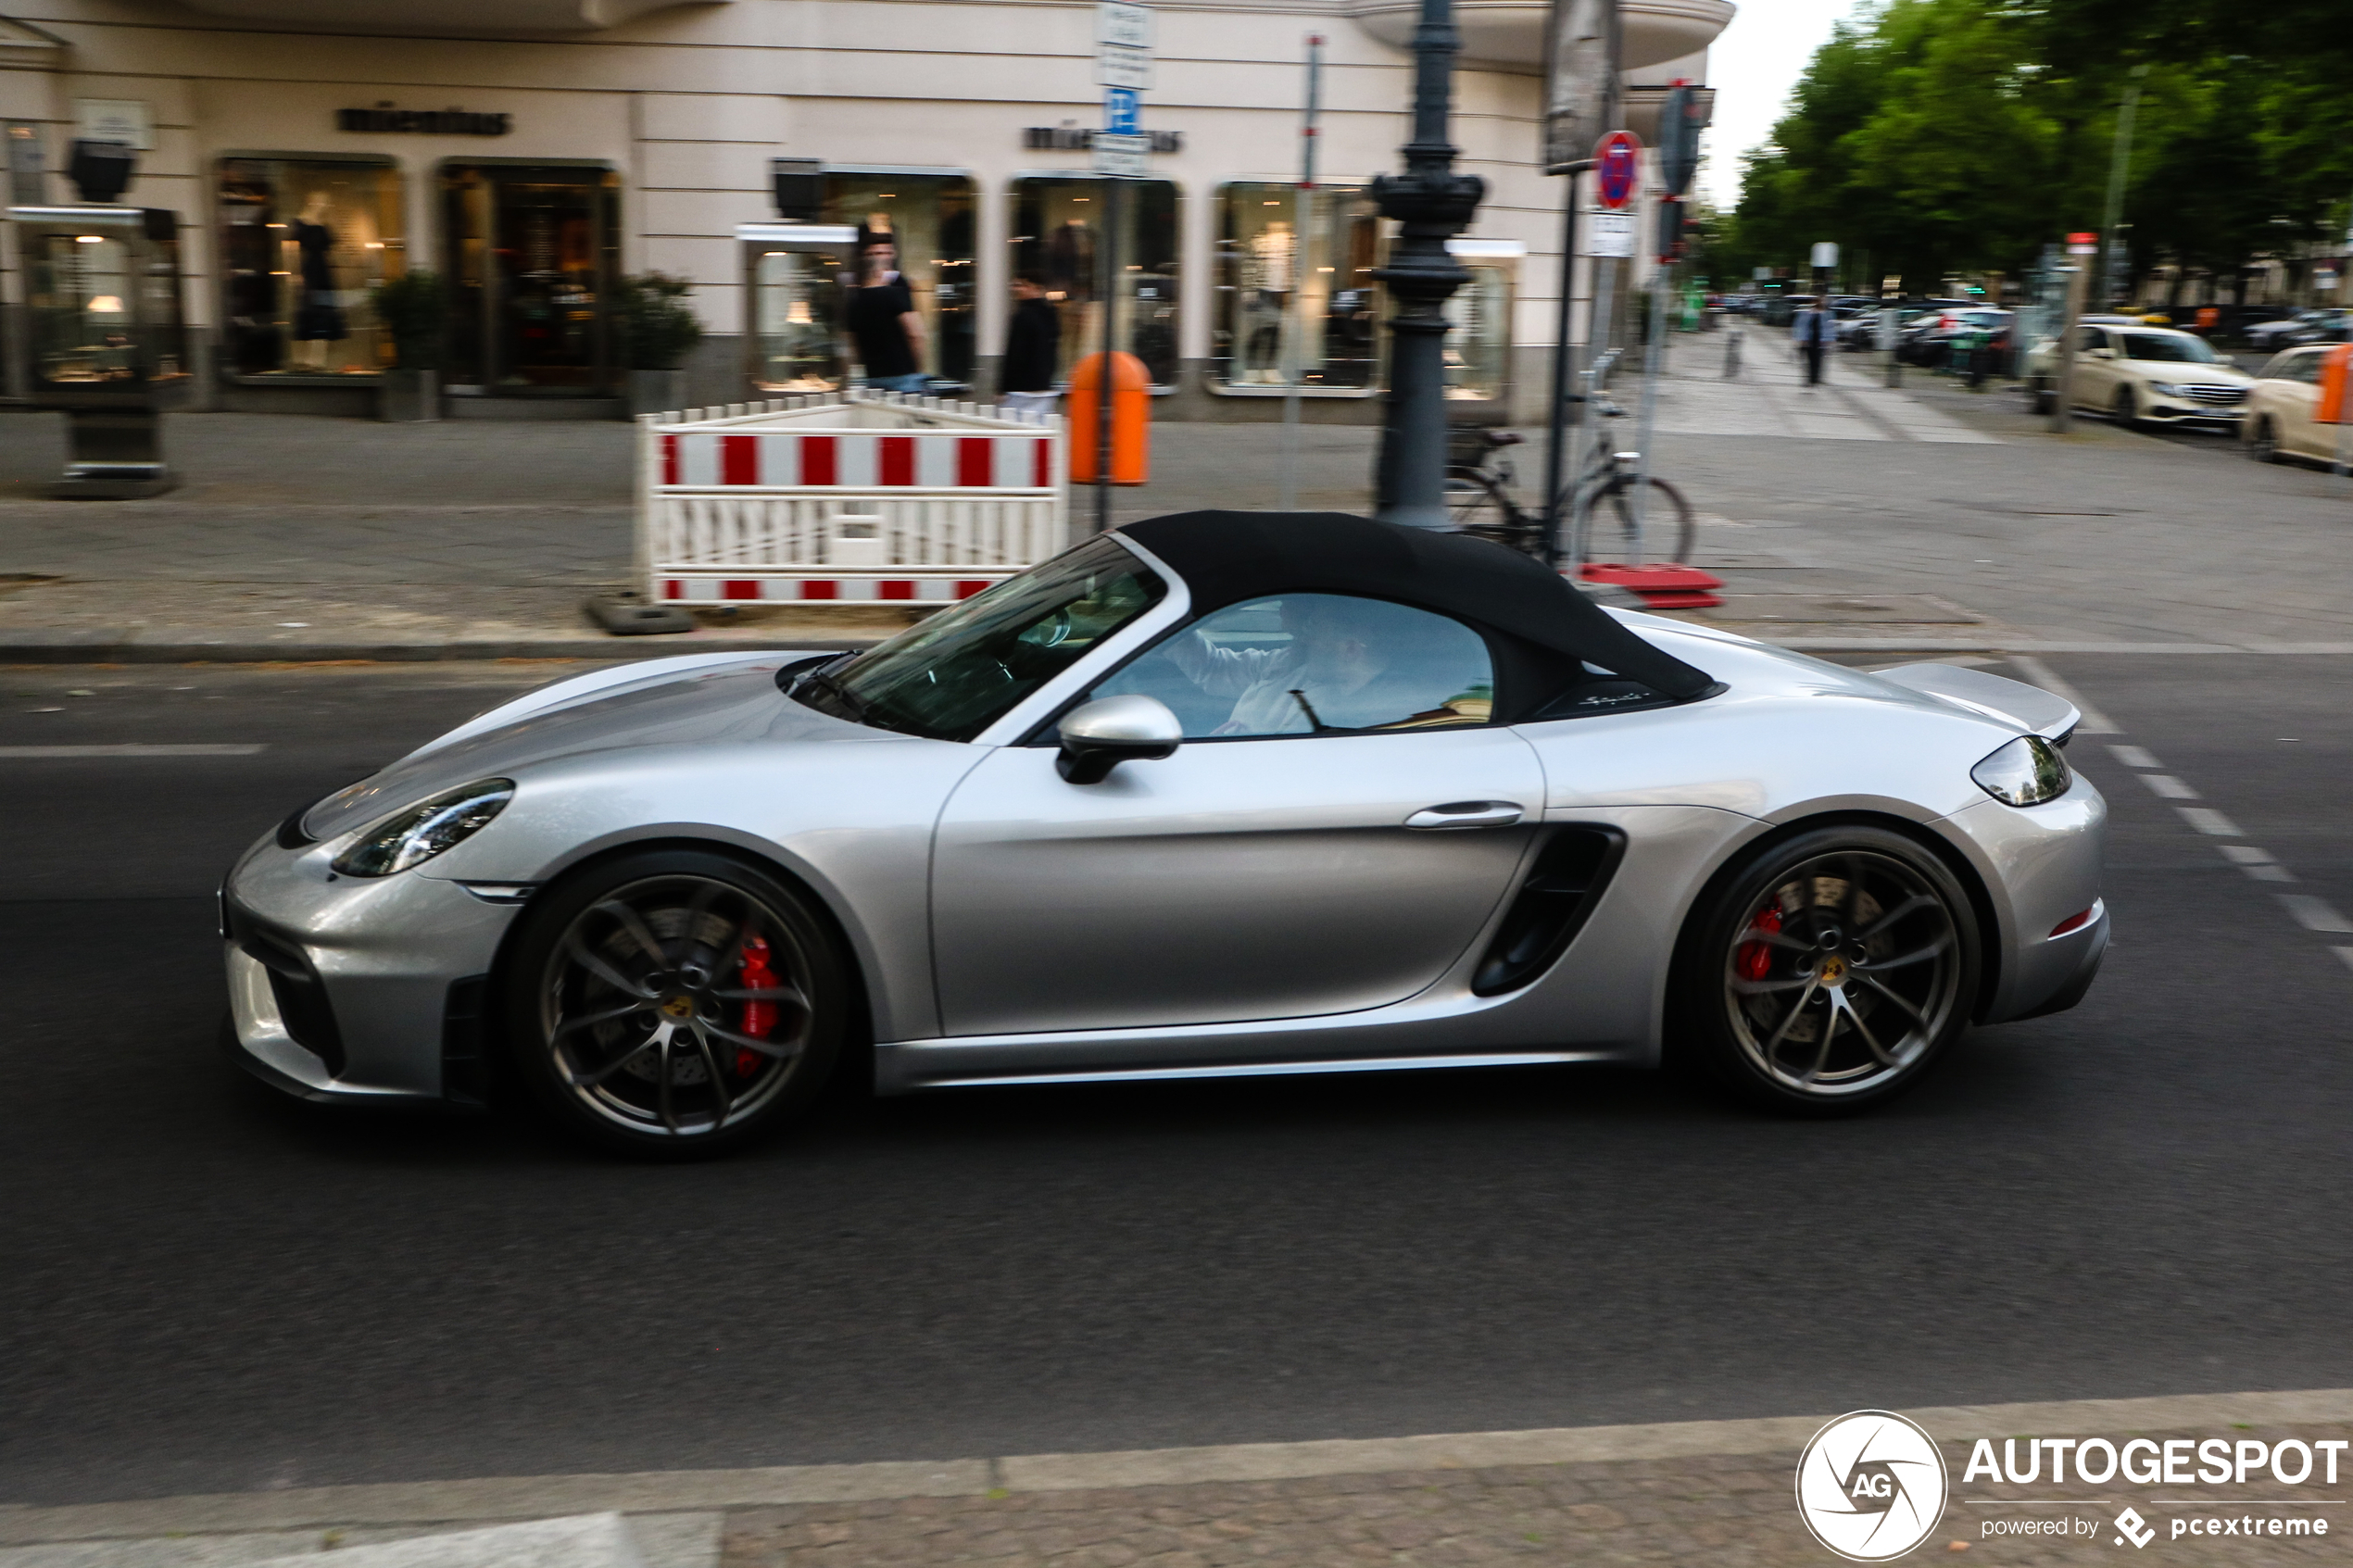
<point>2032,707</point>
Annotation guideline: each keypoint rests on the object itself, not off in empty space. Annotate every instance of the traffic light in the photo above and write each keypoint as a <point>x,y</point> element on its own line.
<point>1680,124</point>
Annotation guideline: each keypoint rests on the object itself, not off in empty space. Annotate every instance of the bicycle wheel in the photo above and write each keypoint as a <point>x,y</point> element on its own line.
<point>1667,533</point>
<point>1478,503</point>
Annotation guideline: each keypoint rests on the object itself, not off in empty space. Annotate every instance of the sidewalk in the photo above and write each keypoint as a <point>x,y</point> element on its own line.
<point>1848,518</point>
<point>1719,1493</point>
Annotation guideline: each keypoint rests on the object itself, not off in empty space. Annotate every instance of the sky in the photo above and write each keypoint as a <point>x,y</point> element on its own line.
<point>1752,65</point>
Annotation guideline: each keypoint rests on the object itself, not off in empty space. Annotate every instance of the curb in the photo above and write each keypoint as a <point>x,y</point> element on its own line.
<point>444,1502</point>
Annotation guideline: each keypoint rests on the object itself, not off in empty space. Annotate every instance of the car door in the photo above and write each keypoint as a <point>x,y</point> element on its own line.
<point>1330,837</point>
<point>2297,397</point>
<point>2095,373</point>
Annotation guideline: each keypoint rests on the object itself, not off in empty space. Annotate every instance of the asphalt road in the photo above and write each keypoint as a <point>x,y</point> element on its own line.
<point>206,1287</point>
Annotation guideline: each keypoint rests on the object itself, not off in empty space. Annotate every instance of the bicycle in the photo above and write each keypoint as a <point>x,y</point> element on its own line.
<point>1480,498</point>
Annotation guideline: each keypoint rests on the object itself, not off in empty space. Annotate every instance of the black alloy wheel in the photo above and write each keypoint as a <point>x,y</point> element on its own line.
<point>673,1004</point>
<point>2038,396</point>
<point>1827,973</point>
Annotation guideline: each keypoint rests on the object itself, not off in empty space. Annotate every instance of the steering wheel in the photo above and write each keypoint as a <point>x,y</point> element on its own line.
<point>1050,632</point>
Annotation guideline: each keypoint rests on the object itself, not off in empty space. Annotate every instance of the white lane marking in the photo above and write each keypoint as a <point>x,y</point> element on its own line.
<point>2166,786</point>
<point>2094,722</point>
<point>2344,953</point>
<point>2270,873</point>
<point>2134,756</point>
<point>2210,822</point>
<point>129,748</point>
<point>2246,855</point>
<point>2314,914</point>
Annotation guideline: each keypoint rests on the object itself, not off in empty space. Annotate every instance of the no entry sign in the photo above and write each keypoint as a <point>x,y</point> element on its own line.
<point>1618,166</point>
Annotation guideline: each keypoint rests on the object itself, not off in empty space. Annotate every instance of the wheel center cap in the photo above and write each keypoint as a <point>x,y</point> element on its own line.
<point>680,1008</point>
<point>1834,971</point>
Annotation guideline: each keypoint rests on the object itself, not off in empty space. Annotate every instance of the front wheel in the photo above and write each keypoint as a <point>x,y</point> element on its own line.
<point>1668,530</point>
<point>2263,440</point>
<point>1828,973</point>
<point>2038,396</point>
<point>673,1004</point>
<point>2125,409</point>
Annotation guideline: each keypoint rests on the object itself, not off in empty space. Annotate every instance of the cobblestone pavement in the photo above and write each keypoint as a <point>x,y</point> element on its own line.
<point>1726,1511</point>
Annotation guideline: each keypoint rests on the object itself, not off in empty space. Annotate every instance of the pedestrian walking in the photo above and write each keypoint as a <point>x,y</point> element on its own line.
<point>883,323</point>
<point>1811,333</point>
<point>1032,348</point>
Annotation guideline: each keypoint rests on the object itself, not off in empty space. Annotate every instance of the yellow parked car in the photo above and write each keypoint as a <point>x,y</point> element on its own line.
<point>2280,408</point>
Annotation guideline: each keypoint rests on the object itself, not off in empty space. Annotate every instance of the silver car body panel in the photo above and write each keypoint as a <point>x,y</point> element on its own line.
<point>1241,907</point>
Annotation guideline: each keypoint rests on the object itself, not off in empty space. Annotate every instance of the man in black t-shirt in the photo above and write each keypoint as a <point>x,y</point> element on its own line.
<point>884,324</point>
<point>1033,348</point>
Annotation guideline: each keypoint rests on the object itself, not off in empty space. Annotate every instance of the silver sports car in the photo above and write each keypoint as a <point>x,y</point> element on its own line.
<point>1213,795</point>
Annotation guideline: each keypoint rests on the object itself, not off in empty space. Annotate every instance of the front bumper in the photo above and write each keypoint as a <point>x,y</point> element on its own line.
<point>2177,411</point>
<point>354,990</point>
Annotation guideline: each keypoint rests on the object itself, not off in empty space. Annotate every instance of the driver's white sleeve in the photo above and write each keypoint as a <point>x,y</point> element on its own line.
<point>1220,672</point>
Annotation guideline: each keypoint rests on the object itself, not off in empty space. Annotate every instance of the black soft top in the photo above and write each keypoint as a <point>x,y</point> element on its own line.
<point>1225,558</point>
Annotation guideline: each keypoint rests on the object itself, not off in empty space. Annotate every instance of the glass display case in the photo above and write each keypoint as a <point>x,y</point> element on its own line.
<point>1479,318</point>
<point>103,339</point>
<point>102,302</point>
<point>795,285</point>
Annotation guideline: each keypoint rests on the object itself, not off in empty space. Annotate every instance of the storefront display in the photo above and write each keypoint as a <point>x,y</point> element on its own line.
<point>533,251</point>
<point>794,275</point>
<point>1479,316</point>
<point>1268,283</point>
<point>927,217</point>
<point>1057,221</point>
<point>303,242</point>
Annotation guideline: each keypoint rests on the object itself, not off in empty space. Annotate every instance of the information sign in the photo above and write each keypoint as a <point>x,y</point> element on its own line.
<point>1122,158</point>
<point>1609,233</point>
<point>1123,44</point>
<point>1123,111</point>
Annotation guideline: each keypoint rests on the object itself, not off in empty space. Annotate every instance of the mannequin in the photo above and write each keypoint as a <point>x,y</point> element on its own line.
<point>317,318</point>
<point>1266,285</point>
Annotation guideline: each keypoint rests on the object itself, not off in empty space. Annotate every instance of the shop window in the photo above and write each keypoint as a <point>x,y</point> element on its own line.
<point>533,250</point>
<point>929,218</point>
<point>1270,283</point>
<point>304,239</point>
<point>1058,219</point>
<point>1478,339</point>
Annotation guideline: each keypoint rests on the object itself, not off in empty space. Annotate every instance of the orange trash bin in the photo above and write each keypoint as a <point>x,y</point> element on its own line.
<point>1131,420</point>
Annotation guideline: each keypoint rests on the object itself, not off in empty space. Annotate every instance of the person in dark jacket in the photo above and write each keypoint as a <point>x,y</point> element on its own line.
<point>1033,348</point>
<point>884,324</point>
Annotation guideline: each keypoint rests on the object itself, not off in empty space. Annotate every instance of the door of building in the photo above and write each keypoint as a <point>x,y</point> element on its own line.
<point>533,251</point>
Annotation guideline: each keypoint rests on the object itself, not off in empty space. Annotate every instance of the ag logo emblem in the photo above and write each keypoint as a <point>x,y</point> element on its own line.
<point>1871,1486</point>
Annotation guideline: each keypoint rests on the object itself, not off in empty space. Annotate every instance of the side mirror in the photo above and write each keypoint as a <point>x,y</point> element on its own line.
<point>1098,736</point>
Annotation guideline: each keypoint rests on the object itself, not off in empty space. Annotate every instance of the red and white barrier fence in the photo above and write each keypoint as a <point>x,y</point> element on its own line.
<point>846,499</point>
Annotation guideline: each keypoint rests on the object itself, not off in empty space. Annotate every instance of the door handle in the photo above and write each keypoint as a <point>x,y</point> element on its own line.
<point>1465,814</point>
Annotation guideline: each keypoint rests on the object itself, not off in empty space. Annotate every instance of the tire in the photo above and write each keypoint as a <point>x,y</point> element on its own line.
<point>1476,502</point>
<point>2125,409</point>
<point>2039,396</point>
<point>1868,920</point>
<point>1669,532</point>
<point>2263,441</point>
<point>631,1003</point>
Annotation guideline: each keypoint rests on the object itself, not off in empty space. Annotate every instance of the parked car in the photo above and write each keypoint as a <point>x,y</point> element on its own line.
<point>1780,307</point>
<point>2143,376</point>
<point>2281,407</point>
<point>2329,325</point>
<point>1136,815</point>
<point>1929,344</point>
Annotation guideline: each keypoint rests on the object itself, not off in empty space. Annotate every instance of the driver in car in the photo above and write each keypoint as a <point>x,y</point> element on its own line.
<point>1319,680</point>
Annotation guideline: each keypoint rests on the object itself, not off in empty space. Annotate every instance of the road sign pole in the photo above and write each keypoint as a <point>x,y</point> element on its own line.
<point>1302,272</point>
<point>2080,247</point>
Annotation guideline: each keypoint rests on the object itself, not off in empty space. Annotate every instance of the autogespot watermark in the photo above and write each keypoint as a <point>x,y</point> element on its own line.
<point>1871,1486</point>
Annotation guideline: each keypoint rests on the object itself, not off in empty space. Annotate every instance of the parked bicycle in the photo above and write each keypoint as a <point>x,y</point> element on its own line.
<point>1480,500</point>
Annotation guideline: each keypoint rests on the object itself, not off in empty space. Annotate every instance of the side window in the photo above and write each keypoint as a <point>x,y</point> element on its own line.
<point>2087,339</point>
<point>1316,663</point>
<point>2307,368</point>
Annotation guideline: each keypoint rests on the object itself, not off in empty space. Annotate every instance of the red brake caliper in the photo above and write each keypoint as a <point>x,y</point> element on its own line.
<point>758,1017</point>
<point>1755,960</point>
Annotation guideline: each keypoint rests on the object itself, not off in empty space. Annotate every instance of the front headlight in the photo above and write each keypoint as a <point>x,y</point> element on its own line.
<point>426,829</point>
<point>2026,773</point>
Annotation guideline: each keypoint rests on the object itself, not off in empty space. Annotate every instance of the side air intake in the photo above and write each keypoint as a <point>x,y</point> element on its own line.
<point>1571,870</point>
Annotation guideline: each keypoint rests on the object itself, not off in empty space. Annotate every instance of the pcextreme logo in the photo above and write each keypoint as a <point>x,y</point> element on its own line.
<point>1871,1486</point>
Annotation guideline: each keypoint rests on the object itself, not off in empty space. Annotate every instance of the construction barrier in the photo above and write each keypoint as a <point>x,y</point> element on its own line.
<point>846,499</point>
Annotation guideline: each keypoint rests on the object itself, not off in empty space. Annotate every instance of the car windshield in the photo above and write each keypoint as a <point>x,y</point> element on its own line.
<point>955,674</point>
<point>2166,346</point>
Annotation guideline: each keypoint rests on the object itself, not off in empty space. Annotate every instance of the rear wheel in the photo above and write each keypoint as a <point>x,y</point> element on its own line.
<point>673,1004</point>
<point>1669,529</point>
<point>1829,974</point>
<point>2038,396</point>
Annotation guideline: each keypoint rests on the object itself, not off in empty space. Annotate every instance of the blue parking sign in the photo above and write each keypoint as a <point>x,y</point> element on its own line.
<point>1123,111</point>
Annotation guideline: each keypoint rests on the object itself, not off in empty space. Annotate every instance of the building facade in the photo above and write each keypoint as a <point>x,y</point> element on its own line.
<point>533,153</point>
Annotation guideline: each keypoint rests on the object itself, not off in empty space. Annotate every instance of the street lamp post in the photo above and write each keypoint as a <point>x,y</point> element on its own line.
<point>1432,203</point>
